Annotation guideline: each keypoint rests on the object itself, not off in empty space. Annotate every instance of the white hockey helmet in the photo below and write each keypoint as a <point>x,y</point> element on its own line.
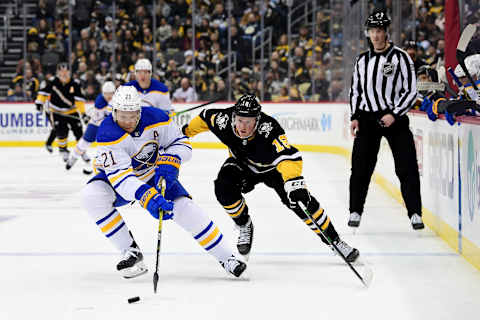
<point>126,98</point>
<point>473,66</point>
<point>108,87</point>
<point>143,64</point>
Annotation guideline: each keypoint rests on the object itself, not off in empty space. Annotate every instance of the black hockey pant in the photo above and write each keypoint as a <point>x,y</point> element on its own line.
<point>364,158</point>
<point>63,123</point>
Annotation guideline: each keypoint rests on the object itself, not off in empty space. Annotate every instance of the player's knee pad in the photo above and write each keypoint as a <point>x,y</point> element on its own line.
<point>226,193</point>
<point>188,215</point>
<point>98,198</point>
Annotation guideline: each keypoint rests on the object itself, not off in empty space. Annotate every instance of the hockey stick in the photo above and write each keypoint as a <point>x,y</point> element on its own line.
<point>196,107</point>
<point>161,186</point>
<point>455,78</point>
<point>462,45</point>
<point>365,280</point>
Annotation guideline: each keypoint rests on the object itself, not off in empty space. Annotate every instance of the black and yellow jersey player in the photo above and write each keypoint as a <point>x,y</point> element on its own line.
<point>260,153</point>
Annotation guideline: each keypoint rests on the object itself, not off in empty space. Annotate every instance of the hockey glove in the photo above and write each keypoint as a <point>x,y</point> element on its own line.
<point>167,167</point>
<point>150,199</point>
<point>297,191</point>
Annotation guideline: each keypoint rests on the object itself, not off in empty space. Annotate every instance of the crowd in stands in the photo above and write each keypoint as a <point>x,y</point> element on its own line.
<point>94,39</point>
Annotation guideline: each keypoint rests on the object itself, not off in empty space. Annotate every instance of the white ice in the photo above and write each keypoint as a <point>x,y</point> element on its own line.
<point>55,263</point>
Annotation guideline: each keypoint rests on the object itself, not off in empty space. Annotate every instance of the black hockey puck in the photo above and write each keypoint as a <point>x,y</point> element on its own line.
<point>133,299</point>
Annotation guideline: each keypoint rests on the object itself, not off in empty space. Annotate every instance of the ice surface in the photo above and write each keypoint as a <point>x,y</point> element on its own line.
<point>55,263</point>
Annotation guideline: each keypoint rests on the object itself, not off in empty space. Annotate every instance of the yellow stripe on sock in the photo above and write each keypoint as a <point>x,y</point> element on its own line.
<point>233,215</point>
<point>233,205</point>
<point>110,225</point>
<point>210,237</point>
<point>325,224</point>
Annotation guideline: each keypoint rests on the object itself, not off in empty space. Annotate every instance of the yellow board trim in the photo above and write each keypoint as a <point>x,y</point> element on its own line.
<point>470,251</point>
<point>110,225</point>
<point>210,237</point>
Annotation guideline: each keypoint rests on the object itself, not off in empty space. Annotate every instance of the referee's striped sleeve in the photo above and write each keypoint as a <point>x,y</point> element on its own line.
<point>355,91</point>
<point>409,83</point>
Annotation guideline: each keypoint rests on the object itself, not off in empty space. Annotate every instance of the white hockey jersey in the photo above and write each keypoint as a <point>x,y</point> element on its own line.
<point>156,95</point>
<point>129,160</point>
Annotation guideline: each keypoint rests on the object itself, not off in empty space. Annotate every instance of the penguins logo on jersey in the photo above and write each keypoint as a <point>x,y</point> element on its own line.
<point>147,156</point>
<point>387,69</point>
<point>265,128</point>
<point>222,121</point>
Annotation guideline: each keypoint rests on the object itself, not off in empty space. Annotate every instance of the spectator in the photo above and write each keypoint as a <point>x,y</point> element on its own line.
<point>185,93</point>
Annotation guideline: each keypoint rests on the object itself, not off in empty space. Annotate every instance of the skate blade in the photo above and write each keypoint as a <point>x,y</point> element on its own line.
<point>135,271</point>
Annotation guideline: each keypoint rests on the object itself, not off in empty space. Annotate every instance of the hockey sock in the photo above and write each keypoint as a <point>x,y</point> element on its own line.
<point>98,198</point>
<point>62,142</point>
<point>194,220</point>
<point>238,211</point>
<point>115,229</point>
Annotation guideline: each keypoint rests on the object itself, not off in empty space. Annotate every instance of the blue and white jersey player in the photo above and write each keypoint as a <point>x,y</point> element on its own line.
<point>136,147</point>
<point>99,111</point>
<point>153,92</point>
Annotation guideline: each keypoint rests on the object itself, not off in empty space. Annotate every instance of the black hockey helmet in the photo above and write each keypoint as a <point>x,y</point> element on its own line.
<point>378,19</point>
<point>62,66</point>
<point>247,106</point>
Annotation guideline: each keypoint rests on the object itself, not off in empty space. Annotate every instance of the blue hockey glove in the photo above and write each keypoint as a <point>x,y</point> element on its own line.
<point>449,117</point>
<point>432,115</point>
<point>150,199</point>
<point>296,190</point>
<point>426,103</point>
<point>167,167</point>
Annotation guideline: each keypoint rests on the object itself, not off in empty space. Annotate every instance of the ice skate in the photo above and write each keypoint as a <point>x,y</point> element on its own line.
<point>351,254</point>
<point>70,162</point>
<point>64,153</point>
<point>132,264</point>
<point>354,220</point>
<point>245,239</point>
<point>234,266</point>
<point>49,148</point>
<point>417,222</point>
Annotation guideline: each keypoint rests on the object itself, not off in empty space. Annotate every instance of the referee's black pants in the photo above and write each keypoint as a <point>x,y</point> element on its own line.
<point>364,158</point>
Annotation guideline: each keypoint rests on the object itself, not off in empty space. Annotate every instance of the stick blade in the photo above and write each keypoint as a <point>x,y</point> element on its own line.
<point>466,36</point>
<point>365,270</point>
<point>155,282</point>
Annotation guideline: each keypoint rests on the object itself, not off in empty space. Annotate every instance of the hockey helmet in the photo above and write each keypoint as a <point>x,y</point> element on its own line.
<point>143,64</point>
<point>247,106</point>
<point>62,66</point>
<point>126,98</point>
<point>429,71</point>
<point>108,87</point>
<point>378,19</point>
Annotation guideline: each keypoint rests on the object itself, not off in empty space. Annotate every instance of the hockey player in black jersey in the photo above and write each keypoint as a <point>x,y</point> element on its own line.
<point>66,104</point>
<point>260,153</point>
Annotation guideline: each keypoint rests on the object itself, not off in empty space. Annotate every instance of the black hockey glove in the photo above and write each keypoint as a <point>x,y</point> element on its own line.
<point>296,190</point>
<point>85,118</point>
<point>39,107</point>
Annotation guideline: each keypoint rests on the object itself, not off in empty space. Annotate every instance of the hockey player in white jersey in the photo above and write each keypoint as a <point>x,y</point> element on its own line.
<point>153,92</point>
<point>136,147</point>
<point>99,111</point>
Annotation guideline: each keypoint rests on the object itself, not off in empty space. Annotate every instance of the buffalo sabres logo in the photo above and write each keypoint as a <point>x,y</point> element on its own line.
<point>265,128</point>
<point>222,121</point>
<point>146,157</point>
<point>387,69</point>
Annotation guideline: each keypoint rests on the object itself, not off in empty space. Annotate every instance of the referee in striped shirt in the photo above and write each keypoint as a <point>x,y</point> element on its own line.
<point>382,92</point>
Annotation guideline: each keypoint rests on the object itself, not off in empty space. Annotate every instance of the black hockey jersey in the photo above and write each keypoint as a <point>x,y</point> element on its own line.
<point>266,150</point>
<point>63,98</point>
